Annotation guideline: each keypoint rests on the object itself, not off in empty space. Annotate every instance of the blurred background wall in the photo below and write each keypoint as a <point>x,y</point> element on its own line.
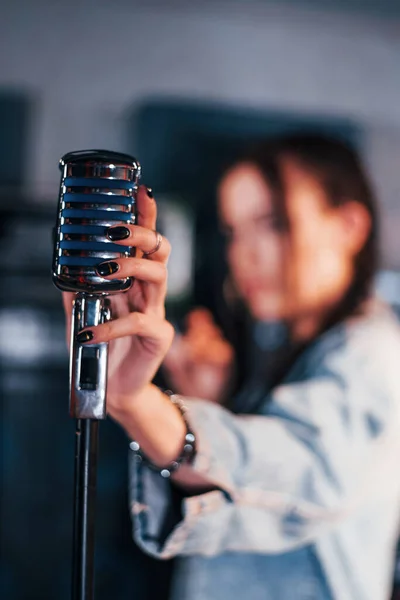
<point>84,62</point>
<point>81,73</point>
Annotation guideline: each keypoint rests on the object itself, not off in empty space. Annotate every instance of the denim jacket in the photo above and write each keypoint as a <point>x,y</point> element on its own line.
<point>307,498</point>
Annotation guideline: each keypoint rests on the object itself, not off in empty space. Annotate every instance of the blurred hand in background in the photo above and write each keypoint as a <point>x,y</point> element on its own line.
<point>200,362</point>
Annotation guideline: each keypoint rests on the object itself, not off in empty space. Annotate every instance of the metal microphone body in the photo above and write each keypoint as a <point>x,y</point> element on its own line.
<point>97,190</point>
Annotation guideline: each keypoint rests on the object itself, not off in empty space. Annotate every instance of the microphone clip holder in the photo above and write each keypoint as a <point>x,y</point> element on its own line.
<point>88,366</point>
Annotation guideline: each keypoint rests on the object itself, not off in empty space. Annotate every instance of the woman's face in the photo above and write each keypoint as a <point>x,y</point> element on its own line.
<point>291,276</point>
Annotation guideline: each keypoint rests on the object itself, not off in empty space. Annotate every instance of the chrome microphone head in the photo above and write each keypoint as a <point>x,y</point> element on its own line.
<point>97,190</point>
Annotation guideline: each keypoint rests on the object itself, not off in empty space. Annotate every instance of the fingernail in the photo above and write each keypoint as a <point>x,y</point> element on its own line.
<point>118,233</point>
<point>84,336</point>
<point>107,268</point>
<point>149,192</point>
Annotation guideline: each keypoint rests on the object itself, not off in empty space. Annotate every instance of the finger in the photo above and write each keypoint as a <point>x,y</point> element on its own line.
<point>141,238</point>
<point>200,314</point>
<point>139,268</point>
<point>200,322</point>
<point>146,207</point>
<point>68,298</point>
<point>159,331</point>
<point>208,351</point>
<point>214,354</point>
<point>200,317</point>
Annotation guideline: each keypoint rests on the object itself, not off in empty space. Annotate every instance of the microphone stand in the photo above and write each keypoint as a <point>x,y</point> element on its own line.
<point>88,380</point>
<point>97,189</point>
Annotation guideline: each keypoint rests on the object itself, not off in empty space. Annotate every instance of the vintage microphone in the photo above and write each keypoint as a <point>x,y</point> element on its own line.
<point>97,190</point>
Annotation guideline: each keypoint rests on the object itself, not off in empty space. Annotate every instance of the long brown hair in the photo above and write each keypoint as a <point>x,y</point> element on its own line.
<point>338,169</point>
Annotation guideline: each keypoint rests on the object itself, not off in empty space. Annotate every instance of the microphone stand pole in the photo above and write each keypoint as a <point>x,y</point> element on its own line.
<point>88,382</point>
<point>86,451</point>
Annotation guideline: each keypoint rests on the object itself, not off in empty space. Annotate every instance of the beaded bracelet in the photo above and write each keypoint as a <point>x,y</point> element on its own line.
<point>188,448</point>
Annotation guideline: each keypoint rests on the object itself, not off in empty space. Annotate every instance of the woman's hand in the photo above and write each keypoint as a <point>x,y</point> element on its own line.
<point>199,363</point>
<point>138,333</point>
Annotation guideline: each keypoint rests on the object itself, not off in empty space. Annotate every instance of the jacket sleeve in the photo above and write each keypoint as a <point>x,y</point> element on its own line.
<point>282,477</point>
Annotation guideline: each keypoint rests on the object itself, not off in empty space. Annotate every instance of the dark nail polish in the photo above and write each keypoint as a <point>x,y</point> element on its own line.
<point>107,268</point>
<point>149,192</point>
<point>118,233</point>
<point>84,336</point>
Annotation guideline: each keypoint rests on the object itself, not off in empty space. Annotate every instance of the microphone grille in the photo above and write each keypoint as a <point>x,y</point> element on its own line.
<point>97,190</point>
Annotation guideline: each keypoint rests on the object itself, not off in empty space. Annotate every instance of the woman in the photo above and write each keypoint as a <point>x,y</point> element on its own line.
<point>299,498</point>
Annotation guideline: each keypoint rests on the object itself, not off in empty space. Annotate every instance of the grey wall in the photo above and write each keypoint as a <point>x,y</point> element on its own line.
<point>86,62</point>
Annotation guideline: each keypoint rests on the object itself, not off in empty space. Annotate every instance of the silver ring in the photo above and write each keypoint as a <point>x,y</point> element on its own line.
<point>157,246</point>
